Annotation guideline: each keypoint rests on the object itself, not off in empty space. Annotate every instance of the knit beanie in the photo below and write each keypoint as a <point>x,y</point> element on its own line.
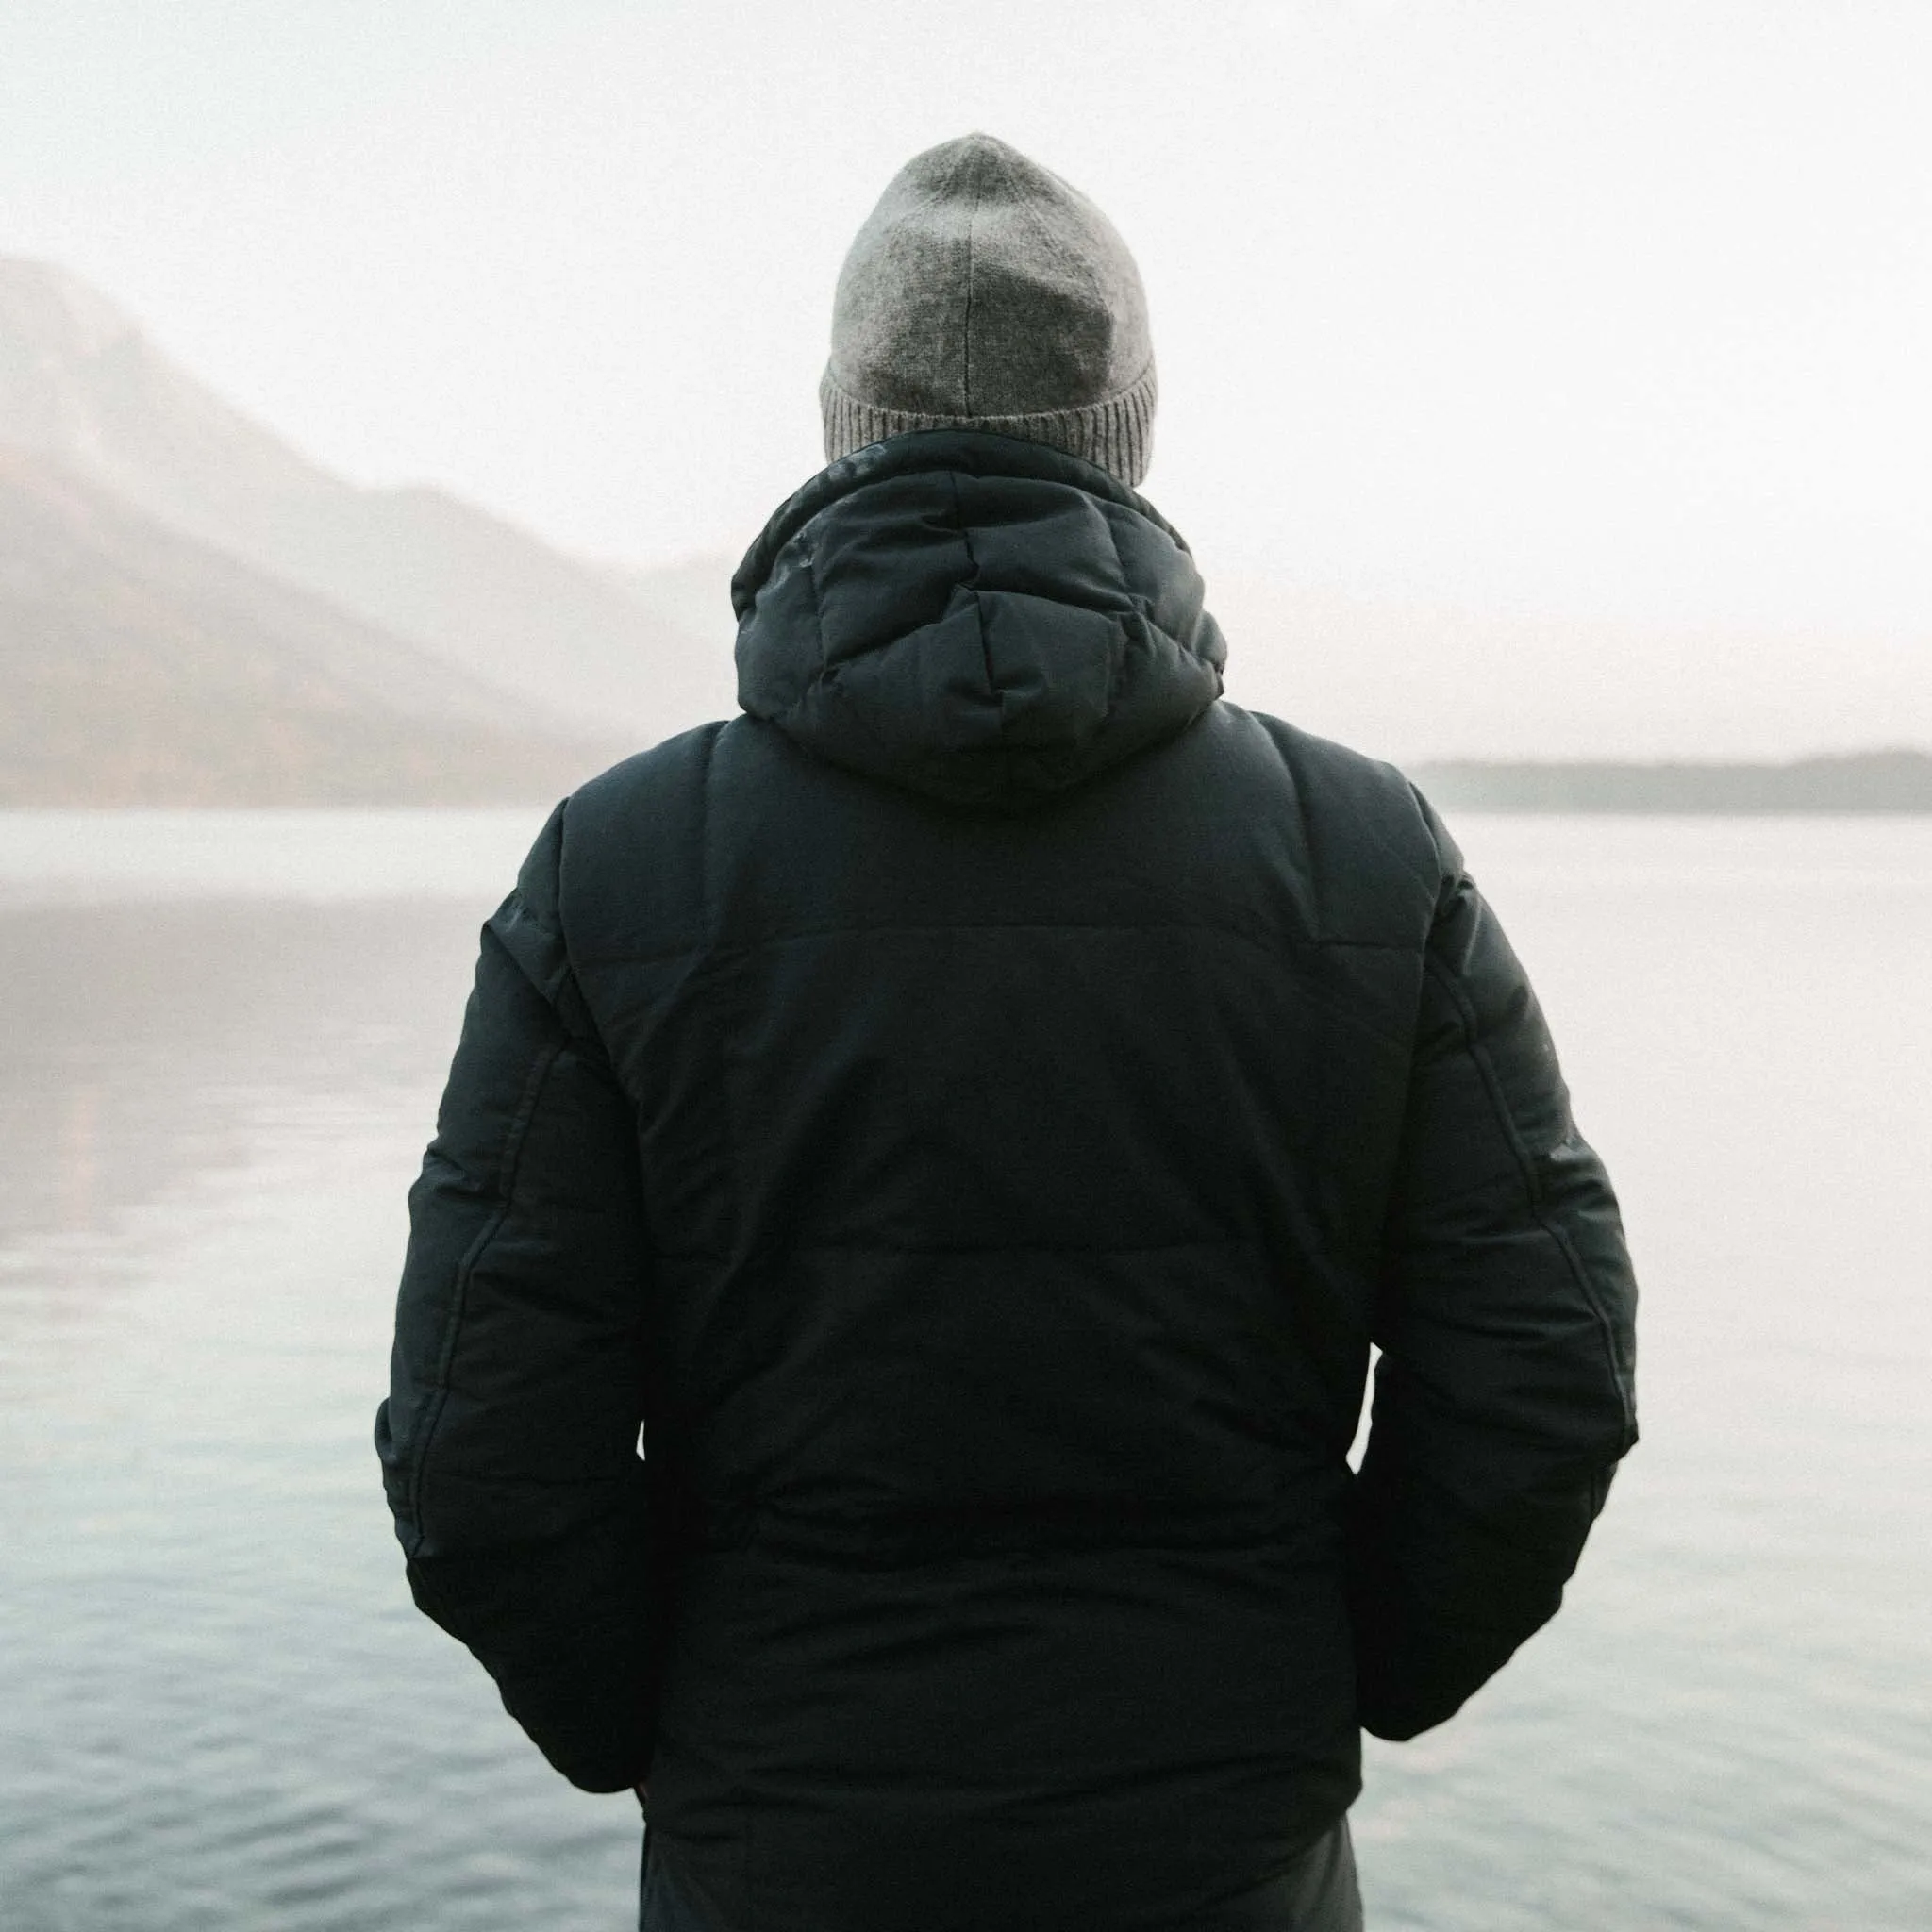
<point>983,292</point>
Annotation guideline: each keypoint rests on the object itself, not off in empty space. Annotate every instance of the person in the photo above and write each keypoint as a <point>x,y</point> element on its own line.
<point>975,1113</point>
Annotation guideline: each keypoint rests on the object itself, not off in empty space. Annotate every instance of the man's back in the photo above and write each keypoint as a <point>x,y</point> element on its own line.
<point>1024,1088</point>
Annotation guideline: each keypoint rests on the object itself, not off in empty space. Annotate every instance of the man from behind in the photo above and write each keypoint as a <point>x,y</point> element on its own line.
<point>974,1112</point>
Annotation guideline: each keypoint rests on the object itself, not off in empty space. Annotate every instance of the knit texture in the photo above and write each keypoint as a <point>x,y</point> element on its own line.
<point>983,292</point>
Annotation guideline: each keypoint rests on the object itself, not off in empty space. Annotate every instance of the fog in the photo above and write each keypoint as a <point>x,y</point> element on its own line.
<point>1595,329</point>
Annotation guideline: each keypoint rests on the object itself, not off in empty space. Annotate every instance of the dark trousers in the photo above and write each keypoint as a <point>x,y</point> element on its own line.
<point>1317,1894</point>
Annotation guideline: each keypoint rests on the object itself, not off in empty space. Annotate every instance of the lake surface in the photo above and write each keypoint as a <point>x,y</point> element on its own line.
<point>222,1040</point>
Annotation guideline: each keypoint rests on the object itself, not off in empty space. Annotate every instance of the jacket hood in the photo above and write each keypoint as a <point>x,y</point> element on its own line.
<point>981,619</point>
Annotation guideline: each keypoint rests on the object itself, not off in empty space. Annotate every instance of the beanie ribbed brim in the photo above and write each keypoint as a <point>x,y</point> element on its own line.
<point>1116,432</point>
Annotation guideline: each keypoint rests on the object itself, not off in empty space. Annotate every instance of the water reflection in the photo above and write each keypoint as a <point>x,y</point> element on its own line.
<point>136,1038</point>
<point>222,1712</point>
<point>221,1709</point>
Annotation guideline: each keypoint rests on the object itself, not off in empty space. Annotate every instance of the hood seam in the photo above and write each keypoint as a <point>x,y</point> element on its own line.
<point>1154,680</point>
<point>905,454</point>
<point>971,588</point>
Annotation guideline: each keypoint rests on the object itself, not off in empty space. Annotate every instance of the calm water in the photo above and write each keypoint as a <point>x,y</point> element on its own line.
<point>223,1036</point>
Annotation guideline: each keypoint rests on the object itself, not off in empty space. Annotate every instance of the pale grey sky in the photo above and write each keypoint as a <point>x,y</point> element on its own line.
<point>1617,310</point>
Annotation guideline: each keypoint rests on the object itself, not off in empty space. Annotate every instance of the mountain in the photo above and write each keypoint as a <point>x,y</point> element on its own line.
<point>139,667</point>
<point>412,605</point>
<point>1876,781</point>
<point>81,387</point>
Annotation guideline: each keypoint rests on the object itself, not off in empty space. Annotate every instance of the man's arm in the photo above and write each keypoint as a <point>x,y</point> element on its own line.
<point>1503,1398</point>
<point>508,1442</point>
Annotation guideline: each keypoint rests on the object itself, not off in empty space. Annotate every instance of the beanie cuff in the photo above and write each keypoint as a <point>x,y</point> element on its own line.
<point>1116,432</point>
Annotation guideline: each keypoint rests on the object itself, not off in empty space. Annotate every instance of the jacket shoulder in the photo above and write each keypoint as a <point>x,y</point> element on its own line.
<point>1376,853</point>
<point>631,850</point>
<point>675,764</point>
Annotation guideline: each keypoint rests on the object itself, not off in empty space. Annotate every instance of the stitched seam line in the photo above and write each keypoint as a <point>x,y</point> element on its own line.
<point>506,1170</point>
<point>724,1046</point>
<point>1526,1163</point>
<point>966,328</point>
<point>825,679</point>
<point>1218,1243</point>
<point>705,774</point>
<point>715,1257</point>
<point>818,621</point>
<point>973,581</point>
<point>1290,941</point>
<point>1143,609</point>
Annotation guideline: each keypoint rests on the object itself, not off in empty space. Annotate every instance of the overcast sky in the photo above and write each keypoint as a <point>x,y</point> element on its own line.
<point>1618,310</point>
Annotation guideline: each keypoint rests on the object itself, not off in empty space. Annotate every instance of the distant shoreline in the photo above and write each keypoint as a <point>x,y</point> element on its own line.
<point>538,772</point>
<point>1873,781</point>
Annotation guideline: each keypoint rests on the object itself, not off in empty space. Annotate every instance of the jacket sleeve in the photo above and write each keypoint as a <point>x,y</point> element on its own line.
<point>1504,1396</point>
<point>509,1438</point>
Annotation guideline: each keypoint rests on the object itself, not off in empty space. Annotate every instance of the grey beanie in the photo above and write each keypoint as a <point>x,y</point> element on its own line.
<point>983,292</point>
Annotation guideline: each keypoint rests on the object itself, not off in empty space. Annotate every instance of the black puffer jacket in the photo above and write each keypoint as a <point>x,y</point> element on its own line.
<point>976,1112</point>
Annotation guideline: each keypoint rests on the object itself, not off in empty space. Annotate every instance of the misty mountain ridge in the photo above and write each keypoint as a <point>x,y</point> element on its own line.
<point>190,610</point>
<point>1895,779</point>
<point>580,646</point>
<point>138,667</point>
